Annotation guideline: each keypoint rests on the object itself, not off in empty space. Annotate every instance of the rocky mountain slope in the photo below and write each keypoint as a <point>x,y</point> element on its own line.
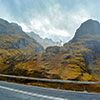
<point>88,36</point>
<point>15,32</point>
<point>76,60</point>
<point>15,45</point>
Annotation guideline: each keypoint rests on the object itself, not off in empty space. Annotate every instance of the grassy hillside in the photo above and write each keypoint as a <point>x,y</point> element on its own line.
<point>76,60</point>
<point>68,64</point>
<point>15,45</point>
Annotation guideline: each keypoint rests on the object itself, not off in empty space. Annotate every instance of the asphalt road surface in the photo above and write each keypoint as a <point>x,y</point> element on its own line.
<point>12,91</point>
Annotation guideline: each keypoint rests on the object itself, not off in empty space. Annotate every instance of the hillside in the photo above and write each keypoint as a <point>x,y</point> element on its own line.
<point>76,60</point>
<point>15,45</point>
<point>88,35</point>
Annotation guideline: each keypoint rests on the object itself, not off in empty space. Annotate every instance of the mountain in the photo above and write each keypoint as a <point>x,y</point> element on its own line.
<point>88,36</point>
<point>12,34</point>
<point>15,45</point>
<point>44,42</point>
<point>87,30</point>
<point>76,60</point>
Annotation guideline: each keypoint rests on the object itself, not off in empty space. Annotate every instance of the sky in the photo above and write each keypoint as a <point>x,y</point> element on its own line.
<point>55,19</point>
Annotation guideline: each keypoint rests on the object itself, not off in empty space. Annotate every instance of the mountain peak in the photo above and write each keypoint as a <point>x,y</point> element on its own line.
<point>88,28</point>
<point>91,22</point>
<point>9,28</point>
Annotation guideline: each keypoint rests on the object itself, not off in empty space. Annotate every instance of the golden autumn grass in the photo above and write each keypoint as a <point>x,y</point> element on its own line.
<point>67,64</point>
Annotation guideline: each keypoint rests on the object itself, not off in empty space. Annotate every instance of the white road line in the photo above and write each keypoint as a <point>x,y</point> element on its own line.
<point>32,94</point>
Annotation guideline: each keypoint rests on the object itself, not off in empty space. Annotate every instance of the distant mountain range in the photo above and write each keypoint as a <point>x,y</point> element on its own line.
<point>44,42</point>
<point>76,60</point>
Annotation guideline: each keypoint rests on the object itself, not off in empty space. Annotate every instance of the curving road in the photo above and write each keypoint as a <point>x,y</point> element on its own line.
<point>12,91</point>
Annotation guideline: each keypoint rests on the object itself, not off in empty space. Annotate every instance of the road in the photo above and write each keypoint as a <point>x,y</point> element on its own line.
<point>12,91</point>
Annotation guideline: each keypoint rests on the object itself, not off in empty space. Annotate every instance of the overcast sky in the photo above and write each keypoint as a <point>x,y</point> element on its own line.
<point>50,18</point>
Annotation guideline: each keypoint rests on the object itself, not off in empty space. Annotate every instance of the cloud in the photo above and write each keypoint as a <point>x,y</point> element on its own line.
<point>56,22</point>
<point>50,18</point>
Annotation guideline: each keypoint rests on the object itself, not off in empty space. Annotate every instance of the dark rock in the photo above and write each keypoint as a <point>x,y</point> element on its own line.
<point>67,57</point>
<point>53,49</point>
